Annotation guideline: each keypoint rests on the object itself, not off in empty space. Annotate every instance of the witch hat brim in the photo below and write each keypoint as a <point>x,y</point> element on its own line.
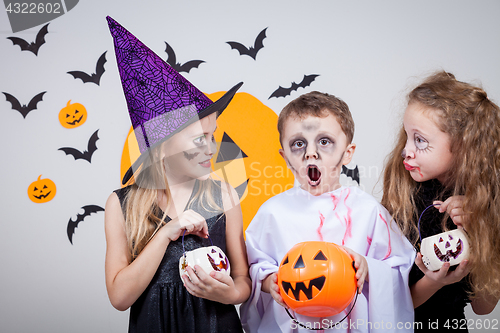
<point>218,106</point>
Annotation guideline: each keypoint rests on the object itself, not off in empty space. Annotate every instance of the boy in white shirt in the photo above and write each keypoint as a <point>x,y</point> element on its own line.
<point>316,132</point>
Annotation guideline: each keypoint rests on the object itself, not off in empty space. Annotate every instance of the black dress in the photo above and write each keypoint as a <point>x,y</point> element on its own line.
<point>445,309</point>
<point>166,305</point>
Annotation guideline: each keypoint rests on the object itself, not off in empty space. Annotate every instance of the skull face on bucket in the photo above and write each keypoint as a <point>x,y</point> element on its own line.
<point>317,279</point>
<point>210,258</point>
<point>450,246</point>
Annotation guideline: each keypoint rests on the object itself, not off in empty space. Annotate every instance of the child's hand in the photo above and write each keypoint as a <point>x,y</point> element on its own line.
<point>454,207</point>
<point>270,284</point>
<point>216,286</point>
<point>188,220</point>
<point>443,277</point>
<point>361,267</point>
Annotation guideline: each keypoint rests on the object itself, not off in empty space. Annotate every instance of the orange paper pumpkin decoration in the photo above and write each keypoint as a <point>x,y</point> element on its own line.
<point>317,279</point>
<point>258,172</point>
<point>261,173</point>
<point>72,115</point>
<point>42,190</point>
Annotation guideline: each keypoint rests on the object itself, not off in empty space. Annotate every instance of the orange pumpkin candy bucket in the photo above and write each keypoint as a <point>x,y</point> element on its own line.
<point>317,279</point>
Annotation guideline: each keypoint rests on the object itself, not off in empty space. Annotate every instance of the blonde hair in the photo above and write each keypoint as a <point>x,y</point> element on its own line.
<point>473,124</point>
<point>142,213</point>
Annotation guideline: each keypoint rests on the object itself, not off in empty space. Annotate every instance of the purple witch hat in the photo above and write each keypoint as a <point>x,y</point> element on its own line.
<point>160,101</point>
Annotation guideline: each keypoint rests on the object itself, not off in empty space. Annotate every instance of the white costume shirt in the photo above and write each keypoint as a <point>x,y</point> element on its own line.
<point>347,216</point>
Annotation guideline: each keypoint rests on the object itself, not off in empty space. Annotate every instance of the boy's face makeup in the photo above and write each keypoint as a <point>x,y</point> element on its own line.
<point>315,149</point>
<point>427,153</point>
<point>187,155</point>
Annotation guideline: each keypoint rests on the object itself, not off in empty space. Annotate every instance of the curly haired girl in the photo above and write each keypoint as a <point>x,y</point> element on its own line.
<point>448,154</point>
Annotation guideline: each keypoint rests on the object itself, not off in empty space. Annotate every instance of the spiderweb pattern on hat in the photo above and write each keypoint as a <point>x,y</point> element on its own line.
<point>159,99</point>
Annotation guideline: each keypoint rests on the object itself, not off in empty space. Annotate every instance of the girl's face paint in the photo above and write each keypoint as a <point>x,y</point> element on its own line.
<point>315,150</point>
<point>188,154</point>
<point>427,153</point>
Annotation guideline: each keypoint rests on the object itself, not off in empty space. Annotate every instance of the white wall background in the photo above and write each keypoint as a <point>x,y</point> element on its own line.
<point>366,52</point>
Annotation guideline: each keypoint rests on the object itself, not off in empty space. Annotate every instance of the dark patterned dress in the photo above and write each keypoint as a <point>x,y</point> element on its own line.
<point>445,309</point>
<point>166,305</point>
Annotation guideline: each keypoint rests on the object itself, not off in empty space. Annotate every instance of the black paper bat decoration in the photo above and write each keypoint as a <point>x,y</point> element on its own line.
<point>87,154</point>
<point>87,210</point>
<point>282,92</point>
<point>353,173</point>
<point>33,46</point>
<point>94,77</point>
<point>172,61</point>
<point>24,109</point>
<point>252,51</point>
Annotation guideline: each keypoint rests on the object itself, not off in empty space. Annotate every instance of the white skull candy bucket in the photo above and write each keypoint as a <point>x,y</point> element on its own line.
<point>209,258</point>
<point>450,246</point>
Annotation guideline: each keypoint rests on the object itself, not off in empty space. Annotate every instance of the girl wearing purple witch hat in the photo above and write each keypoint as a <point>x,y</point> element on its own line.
<point>171,205</point>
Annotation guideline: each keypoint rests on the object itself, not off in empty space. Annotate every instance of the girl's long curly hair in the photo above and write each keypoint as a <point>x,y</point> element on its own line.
<point>473,124</point>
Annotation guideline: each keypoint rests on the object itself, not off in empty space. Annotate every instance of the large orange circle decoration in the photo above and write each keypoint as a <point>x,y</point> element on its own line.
<point>42,190</point>
<point>72,115</point>
<point>257,171</point>
<point>317,279</point>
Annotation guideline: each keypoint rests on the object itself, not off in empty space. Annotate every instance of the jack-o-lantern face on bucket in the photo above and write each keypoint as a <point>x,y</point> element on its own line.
<point>317,279</point>
<point>450,246</point>
<point>42,190</point>
<point>210,258</point>
<point>72,115</point>
<point>445,251</point>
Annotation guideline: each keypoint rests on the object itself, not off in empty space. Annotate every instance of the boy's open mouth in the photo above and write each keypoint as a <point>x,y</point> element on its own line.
<point>314,175</point>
